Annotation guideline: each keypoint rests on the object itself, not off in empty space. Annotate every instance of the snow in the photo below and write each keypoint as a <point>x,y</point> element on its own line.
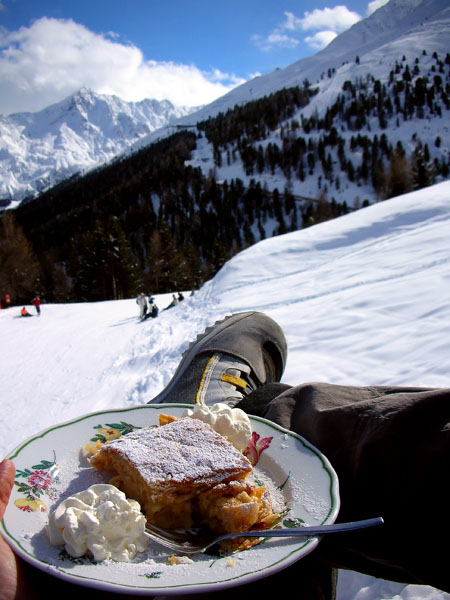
<point>37,150</point>
<point>363,300</point>
<point>77,134</point>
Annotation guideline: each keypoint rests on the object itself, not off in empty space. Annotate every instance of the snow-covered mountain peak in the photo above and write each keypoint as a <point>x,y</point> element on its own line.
<point>390,22</point>
<point>78,133</point>
<point>88,129</point>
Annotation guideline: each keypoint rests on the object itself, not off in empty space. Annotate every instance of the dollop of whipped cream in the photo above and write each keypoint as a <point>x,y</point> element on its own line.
<point>232,423</point>
<point>99,520</point>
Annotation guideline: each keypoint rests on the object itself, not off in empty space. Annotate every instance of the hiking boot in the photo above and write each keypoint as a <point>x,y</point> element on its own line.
<point>228,361</point>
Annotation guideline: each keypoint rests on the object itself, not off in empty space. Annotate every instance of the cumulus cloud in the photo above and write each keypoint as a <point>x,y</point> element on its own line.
<point>53,58</point>
<point>320,39</point>
<point>336,19</point>
<point>375,5</point>
<point>326,22</point>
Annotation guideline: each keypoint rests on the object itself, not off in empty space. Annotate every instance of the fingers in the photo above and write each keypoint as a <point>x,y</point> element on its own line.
<point>7,472</point>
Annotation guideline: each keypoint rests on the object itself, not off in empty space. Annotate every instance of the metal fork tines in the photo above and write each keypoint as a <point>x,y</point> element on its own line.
<point>191,543</point>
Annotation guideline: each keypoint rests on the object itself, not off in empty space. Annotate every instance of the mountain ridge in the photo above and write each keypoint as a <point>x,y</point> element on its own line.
<point>312,67</point>
<point>372,46</point>
<point>76,134</point>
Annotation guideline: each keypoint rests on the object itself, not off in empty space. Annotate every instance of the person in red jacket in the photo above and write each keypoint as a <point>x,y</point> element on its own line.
<point>37,304</point>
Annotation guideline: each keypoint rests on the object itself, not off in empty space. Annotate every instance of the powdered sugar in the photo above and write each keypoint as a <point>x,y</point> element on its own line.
<point>184,451</point>
<point>277,498</point>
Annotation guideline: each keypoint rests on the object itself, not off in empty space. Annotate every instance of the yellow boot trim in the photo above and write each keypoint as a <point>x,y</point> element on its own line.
<point>199,398</point>
<point>237,381</point>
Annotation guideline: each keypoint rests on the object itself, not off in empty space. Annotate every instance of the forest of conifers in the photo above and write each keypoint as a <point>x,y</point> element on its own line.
<point>151,222</point>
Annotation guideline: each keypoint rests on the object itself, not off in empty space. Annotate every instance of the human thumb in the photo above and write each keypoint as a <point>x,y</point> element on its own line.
<point>7,472</point>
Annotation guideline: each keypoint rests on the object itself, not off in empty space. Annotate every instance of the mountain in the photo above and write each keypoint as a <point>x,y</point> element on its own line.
<point>363,300</point>
<point>386,57</point>
<point>38,150</point>
<point>85,130</point>
<point>168,214</point>
<point>399,28</point>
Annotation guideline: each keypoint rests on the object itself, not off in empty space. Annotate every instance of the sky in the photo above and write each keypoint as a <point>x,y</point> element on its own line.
<point>187,52</point>
<point>356,297</point>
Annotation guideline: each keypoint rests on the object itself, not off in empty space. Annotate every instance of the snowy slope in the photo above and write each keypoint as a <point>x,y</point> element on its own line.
<point>363,299</point>
<point>83,131</point>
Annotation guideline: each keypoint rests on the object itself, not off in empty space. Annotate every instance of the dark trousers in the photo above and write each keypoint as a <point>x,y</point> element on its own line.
<point>390,448</point>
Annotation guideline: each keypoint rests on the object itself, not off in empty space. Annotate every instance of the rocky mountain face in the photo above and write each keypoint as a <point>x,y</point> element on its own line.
<point>38,150</point>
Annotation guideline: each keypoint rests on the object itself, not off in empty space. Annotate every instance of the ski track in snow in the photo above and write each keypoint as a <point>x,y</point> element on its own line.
<point>363,300</point>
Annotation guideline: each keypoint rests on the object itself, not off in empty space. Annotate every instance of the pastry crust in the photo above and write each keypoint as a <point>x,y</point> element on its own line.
<point>184,474</point>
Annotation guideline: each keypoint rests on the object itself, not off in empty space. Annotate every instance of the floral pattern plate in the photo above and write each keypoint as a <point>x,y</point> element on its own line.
<point>52,465</point>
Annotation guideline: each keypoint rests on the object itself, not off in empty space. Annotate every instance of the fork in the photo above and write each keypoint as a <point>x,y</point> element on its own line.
<point>191,543</point>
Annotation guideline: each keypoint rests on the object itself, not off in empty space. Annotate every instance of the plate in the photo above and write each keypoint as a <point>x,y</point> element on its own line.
<point>52,465</point>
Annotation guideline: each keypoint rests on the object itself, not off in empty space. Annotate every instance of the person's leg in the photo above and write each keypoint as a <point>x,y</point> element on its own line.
<point>228,360</point>
<point>243,356</point>
<point>390,448</point>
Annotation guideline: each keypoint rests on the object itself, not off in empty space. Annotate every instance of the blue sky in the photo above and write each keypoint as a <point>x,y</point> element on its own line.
<point>189,51</point>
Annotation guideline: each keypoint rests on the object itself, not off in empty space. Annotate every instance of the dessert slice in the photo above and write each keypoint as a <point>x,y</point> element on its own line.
<point>185,474</point>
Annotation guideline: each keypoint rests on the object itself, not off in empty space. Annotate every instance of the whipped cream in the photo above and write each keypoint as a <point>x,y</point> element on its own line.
<point>232,423</point>
<point>99,520</point>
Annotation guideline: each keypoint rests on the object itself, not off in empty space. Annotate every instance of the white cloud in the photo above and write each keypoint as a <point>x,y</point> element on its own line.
<point>321,39</point>
<point>375,5</point>
<point>281,39</point>
<point>336,19</point>
<point>328,22</point>
<point>274,39</point>
<point>52,58</point>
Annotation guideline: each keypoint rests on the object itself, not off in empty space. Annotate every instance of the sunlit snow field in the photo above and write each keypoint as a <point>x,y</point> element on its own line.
<point>363,300</point>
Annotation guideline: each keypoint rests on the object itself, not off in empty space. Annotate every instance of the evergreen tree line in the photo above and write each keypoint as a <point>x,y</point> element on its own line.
<point>320,145</point>
<point>147,222</point>
<point>255,120</point>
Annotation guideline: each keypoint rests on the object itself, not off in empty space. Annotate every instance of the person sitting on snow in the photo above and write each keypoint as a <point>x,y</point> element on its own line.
<point>153,310</point>
<point>25,313</point>
<point>174,302</point>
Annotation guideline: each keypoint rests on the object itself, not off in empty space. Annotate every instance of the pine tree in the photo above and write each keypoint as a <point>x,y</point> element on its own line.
<point>125,279</point>
<point>19,270</point>
<point>423,171</point>
<point>106,267</point>
<point>399,180</point>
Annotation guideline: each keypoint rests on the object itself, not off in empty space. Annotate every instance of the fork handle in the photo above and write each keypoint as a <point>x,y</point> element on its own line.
<point>306,531</point>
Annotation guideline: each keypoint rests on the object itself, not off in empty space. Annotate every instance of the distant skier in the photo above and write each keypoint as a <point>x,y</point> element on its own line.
<point>25,313</point>
<point>180,297</point>
<point>36,302</point>
<point>141,301</point>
